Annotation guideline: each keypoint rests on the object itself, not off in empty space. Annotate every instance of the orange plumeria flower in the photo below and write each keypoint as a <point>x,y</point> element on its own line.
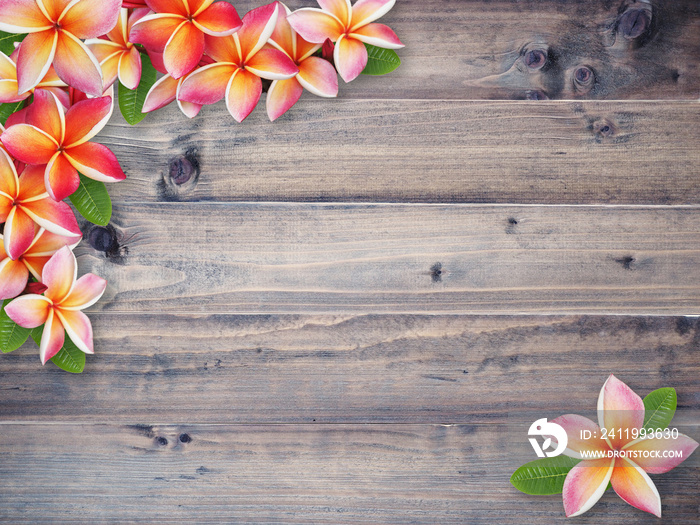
<point>55,28</point>
<point>59,139</point>
<point>14,274</point>
<point>59,308</point>
<point>118,57</point>
<point>350,27</point>
<point>241,61</point>
<point>24,202</point>
<point>315,74</point>
<point>178,27</point>
<point>9,91</point>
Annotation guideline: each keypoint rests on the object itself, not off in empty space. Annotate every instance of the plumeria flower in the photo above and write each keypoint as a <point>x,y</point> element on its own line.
<point>59,139</point>
<point>241,61</point>
<point>315,74</point>
<point>118,57</point>
<point>350,27</point>
<point>14,274</point>
<point>59,308</point>
<point>133,3</point>
<point>178,27</point>
<point>24,202</point>
<point>56,27</point>
<point>8,80</point>
<point>621,413</point>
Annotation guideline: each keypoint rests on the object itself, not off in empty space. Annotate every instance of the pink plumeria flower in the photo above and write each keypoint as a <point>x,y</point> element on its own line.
<point>14,274</point>
<point>59,308</point>
<point>315,74</point>
<point>59,139</point>
<point>24,202</point>
<point>56,28</point>
<point>8,80</point>
<point>118,57</point>
<point>178,27</point>
<point>241,61</point>
<point>350,27</point>
<point>621,413</point>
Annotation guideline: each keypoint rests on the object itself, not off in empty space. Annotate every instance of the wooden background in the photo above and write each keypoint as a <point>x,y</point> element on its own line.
<point>349,315</point>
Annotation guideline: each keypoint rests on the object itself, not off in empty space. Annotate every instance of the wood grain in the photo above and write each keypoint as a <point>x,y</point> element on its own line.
<point>352,369</point>
<point>453,47</point>
<point>416,151</point>
<point>289,474</point>
<point>285,258</point>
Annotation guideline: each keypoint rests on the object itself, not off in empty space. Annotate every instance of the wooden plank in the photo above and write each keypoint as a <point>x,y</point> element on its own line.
<point>352,369</point>
<point>289,474</point>
<point>453,49</point>
<point>310,258</point>
<point>417,151</point>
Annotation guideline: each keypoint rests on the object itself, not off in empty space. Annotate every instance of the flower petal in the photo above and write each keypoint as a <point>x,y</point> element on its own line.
<point>284,37</point>
<point>110,68</point>
<point>242,94</point>
<point>208,84</point>
<point>29,311</point>
<point>77,66</point>
<point>61,178</point>
<point>52,338</point>
<point>341,9</point>
<point>130,68</point>
<point>169,6</point>
<point>574,426</point>
<point>281,96</point>
<point>189,109</point>
<point>95,161</point>
<point>272,64</point>
<point>36,53</point>
<point>47,243</point>
<point>8,68</point>
<point>644,452</point>
<point>78,328</point>
<point>85,119</point>
<point>8,91</point>
<point>366,11</point>
<point>219,19</point>
<point>154,31</point>
<point>161,94</point>
<point>157,61</point>
<point>91,18</point>
<point>6,205</point>
<point>619,409</point>
<point>184,50</point>
<point>319,77</point>
<point>198,6</point>
<point>9,181</point>
<point>86,292</point>
<point>56,217</point>
<point>22,16</point>
<point>635,486</point>
<point>46,113</point>
<point>222,49</point>
<point>350,57</point>
<point>102,48</point>
<point>13,278</point>
<point>258,26</point>
<point>377,35</point>
<point>585,484</point>
<point>315,25</point>
<point>29,144</point>
<point>31,184</point>
<point>18,233</point>
<point>59,275</point>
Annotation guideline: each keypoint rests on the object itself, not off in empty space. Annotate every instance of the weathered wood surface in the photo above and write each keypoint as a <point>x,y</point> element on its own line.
<point>417,151</point>
<point>284,258</point>
<point>454,47</point>
<point>288,474</point>
<point>352,369</point>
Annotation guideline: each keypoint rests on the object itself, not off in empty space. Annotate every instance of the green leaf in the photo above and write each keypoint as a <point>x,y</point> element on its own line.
<point>8,109</point>
<point>544,476</point>
<point>659,408</point>
<point>69,358</point>
<point>92,201</point>
<point>380,61</point>
<point>131,101</point>
<point>12,336</point>
<point>7,42</point>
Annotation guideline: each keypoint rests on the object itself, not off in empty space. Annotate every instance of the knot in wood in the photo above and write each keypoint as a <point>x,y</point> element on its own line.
<point>181,170</point>
<point>102,239</point>
<point>634,23</point>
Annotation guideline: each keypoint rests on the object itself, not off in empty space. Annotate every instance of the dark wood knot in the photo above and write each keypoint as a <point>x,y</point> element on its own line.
<point>185,438</point>
<point>634,23</point>
<point>603,129</point>
<point>181,170</point>
<point>162,441</point>
<point>181,177</point>
<point>103,239</point>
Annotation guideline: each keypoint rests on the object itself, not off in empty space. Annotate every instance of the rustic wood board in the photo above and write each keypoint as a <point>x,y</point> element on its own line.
<point>256,258</point>
<point>352,369</point>
<point>287,474</point>
<point>417,151</point>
